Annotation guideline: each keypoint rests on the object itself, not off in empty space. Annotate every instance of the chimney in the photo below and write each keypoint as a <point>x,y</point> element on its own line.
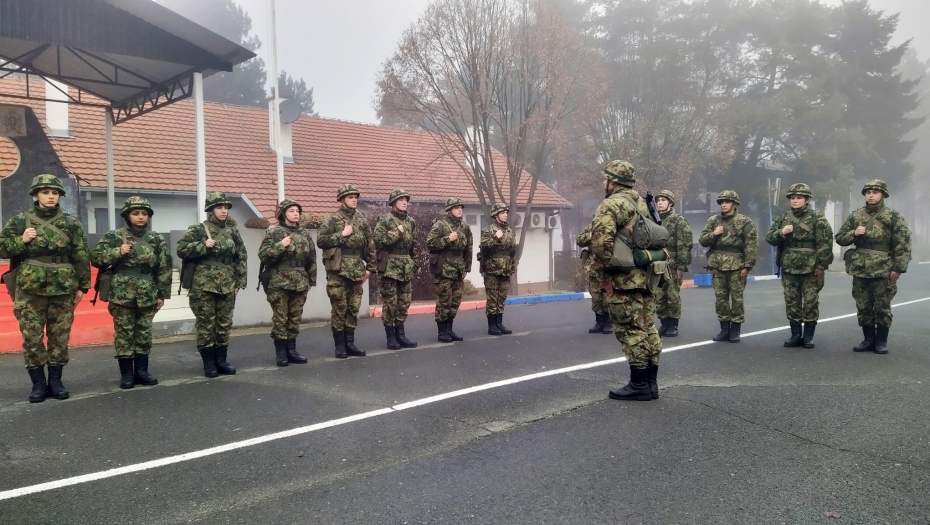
<point>287,141</point>
<point>56,113</point>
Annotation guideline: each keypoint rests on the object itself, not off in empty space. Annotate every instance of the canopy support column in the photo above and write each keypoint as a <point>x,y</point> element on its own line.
<point>111,185</point>
<point>201,147</point>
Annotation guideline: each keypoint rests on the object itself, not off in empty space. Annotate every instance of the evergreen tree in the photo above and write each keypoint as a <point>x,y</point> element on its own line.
<point>296,90</point>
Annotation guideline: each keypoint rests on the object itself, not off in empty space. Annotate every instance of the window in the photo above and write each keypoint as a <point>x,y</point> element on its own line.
<point>102,220</point>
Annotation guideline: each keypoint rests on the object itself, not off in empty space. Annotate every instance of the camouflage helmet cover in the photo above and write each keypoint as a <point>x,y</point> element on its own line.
<point>345,190</point>
<point>498,208</point>
<point>284,205</point>
<point>397,194</point>
<point>728,195</point>
<point>452,202</point>
<point>799,189</point>
<point>136,203</point>
<point>215,199</point>
<point>621,172</point>
<point>46,181</point>
<point>668,195</point>
<point>876,184</point>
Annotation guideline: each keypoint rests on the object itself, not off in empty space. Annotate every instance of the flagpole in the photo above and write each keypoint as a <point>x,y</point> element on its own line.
<point>276,117</point>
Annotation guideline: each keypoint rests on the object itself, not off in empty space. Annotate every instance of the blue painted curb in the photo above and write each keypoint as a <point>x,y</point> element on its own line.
<point>536,299</point>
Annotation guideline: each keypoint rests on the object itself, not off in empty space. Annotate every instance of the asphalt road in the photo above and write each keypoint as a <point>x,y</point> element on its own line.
<point>747,433</point>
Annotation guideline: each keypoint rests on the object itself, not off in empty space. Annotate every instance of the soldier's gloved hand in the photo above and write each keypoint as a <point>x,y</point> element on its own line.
<point>28,235</point>
<point>210,243</point>
<point>787,229</point>
<point>347,230</point>
<point>286,241</point>
<point>894,277</point>
<point>124,249</point>
<point>718,230</point>
<point>499,234</point>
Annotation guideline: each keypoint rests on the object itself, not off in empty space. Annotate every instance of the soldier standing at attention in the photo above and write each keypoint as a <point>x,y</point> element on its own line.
<point>881,255</point>
<point>450,244</point>
<point>498,248</point>
<point>629,301</point>
<point>598,297</point>
<point>289,258</point>
<point>396,236</point>
<point>805,241</point>
<point>734,245</point>
<point>680,243</point>
<point>52,277</point>
<point>349,259</point>
<point>141,265</point>
<point>221,258</point>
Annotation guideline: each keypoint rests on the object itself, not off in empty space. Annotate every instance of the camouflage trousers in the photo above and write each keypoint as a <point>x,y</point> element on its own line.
<point>873,300</point>
<point>598,296</point>
<point>38,316</point>
<point>496,287</point>
<point>345,297</point>
<point>132,329</point>
<point>668,297</point>
<point>728,290</point>
<point>632,314</point>
<point>448,297</point>
<point>287,309</point>
<point>213,313</point>
<point>395,299</point>
<point>802,296</point>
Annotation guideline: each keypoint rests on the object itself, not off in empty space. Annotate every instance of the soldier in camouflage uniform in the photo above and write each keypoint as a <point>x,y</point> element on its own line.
<point>680,243</point>
<point>450,241</point>
<point>882,252</point>
<point>629,300</point>
<point>598,298</point>
<point>140,262</point>
<point>217,248</point>
<point>805,241</point>
<point>53,275</point>
<point>288,258</point>
<point>497,251</point>
<point>349,258</point>
<point>733,246</point>
<point>396,240</point>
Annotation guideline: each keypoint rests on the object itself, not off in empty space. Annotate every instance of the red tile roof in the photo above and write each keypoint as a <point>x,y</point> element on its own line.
<point>9,157</point>
<point>157,152</point>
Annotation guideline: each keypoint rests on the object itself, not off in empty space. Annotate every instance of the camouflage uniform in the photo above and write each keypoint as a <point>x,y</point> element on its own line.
<point>455,263</point>
<point>680,244</point>
<point>497,266</point>
<point>53,267</point>
<point>402,251</point>
<point>884,248</point>
<point>805,250</point>
<point>734,250</point>
<point>598,296</point>
<point>631,305</point>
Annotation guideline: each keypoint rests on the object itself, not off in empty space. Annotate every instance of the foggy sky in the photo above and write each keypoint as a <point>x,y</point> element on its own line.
<point>338,46</point>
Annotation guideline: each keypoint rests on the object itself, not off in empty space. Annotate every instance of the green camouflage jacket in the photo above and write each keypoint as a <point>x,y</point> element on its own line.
<point>736,248</point>
<point>680,240</point>
<point>886,231</point>
<point>63,237</point>
<point>361,242</point>
<point>809,247</point>
<point>453,267</point>
<point>498,254</point>
<point>402,247</point>
<point>611,215</point>
<point>294,266</point>
<point>149,256</point>
<point>229,250</point>
<point>584,242</point>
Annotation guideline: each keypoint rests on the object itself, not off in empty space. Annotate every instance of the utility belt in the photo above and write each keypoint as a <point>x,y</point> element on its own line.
<point>353,252</point>
<point>50,261</point>
<point>142,273</point>
<point>290,263</point>
<point>801,246</point>
<point>499,255</point>
<point>728,251</point>
<point>216,261</point>
<point>398,256</point>
<point>871,247</point>
<point>452,254</point>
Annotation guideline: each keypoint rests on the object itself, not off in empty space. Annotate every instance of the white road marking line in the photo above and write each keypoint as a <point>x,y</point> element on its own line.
<point>148,465</point>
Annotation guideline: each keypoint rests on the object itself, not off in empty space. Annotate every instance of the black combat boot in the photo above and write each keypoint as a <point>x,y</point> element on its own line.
<point>637,389</point>
<point>663,324</point>
<point>734,331</point>
<point>402,337</point>
<point>492,325</point>
<point>340,339</point>
<point>809,329</point>
<point>222,366</point>
<point>209,362</point>
<point>868,343</point>
<point>55,387</point>
<point>881,339</point>
<point>608,325</point>
<point>292,355</point>
<point>452,334</point>
<point>724,334</point>
<point>652,374</point>
<point>280,351</point>
<point>444,336</point>
<point>39,386</point>
<point>142,375</point>
<point>351,349</point>
<point>671,330</point>
<point>392,343</point>
<point>500,325</point>
<point>126,379</point>
<point>598,324</point>
<point>796,338</point>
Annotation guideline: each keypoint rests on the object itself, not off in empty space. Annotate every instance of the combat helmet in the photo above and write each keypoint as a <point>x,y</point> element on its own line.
<point>345,190</point>
<point>668,195</point>
<point>136,203</point>
<point>799,189</point>
<point>621,172</point>
<point>215,199</point>
<point>285,204</point>
<point>498,208</point>
<point>728,195</point>
<point>397,194</point>
<point>45,180</point>
<point>876,184</point>
<point>452,202</point>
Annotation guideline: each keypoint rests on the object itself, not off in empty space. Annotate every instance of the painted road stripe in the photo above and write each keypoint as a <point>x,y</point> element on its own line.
<point>148,465</point>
